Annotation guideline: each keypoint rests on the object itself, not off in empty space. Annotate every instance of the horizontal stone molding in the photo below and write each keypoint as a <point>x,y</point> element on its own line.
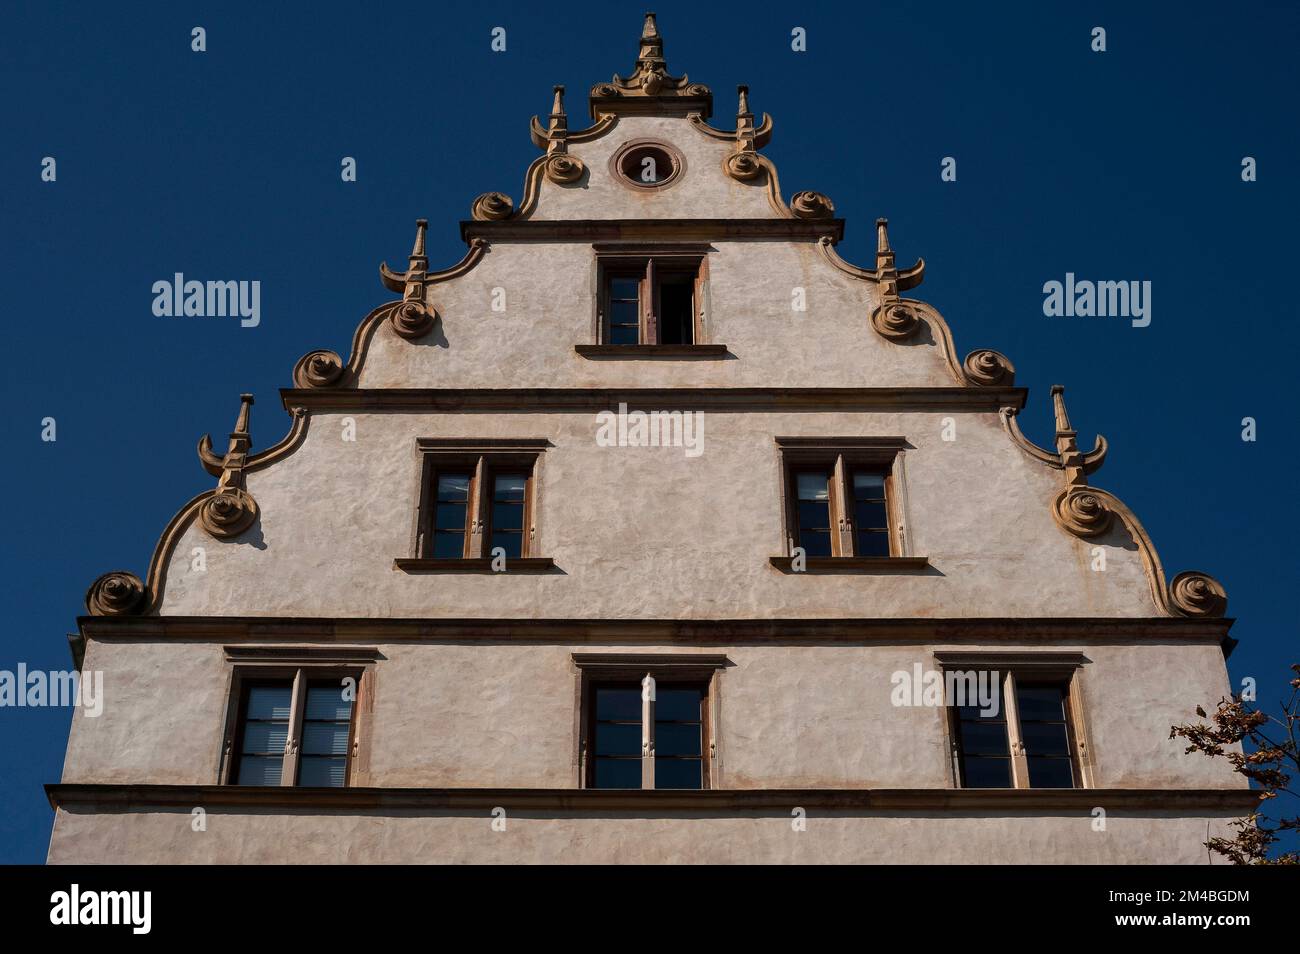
<point>515,229</point>
<point>594,399</point>
<point>565,631</point>
<point>135,798</point>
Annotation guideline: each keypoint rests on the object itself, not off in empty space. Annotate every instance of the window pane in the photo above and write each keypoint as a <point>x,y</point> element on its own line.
<point>812,485</point>
<point>618,773</point>
<point>452,487</point>
<point>266,738</point>
<point>1040,703</point>
<point>450,517</point>
<point>986,773</point>
<point>623,312</point>
<point>317,771</point>
<point>618,738</point>
<point>448,546</point>
<point>676,738</point>
<point>678,773</point>
<point>815,543</point>
<point>623,335</point>
<point>1045,738</point>
<point>873,543</point>
<point>624,288</point>
<point>868,486</point>
<point>677,704</point>
<point>984,738</point>
<point>622,704</point>
<point>870,515</point>
<point>510,487</point>
<point>1051,773</point>
<point>259,770</point>
<point>511,543</point>
<point>507,516</point>
<point>325,738</point>
<point>269,702</point>
<point>327,702</point>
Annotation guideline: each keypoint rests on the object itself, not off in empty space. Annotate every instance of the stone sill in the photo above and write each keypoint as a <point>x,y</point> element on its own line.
<point>851,564</point>
<point>121,798</point>
<point>652,352</point>
<point>475,565</point>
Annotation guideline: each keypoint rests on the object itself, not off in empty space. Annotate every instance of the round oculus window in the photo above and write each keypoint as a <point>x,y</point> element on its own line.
<point>648,165</point>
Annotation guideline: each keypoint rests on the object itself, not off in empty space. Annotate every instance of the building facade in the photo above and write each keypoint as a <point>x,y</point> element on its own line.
<point>650,531</point>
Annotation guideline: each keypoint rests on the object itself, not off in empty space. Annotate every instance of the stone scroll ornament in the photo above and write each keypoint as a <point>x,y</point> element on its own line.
<point>411,318</point>
<point>231,509</point>
<point>561,168</point>
<point>119,593</point>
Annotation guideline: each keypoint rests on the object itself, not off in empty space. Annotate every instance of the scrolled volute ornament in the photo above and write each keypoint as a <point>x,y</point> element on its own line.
<point>988,368</point>
<point>812,205</point>
<point>1083,512</point>
<point>1192,593</point>
<point>604,90</point>
<point>318,369</point>
<point>896,321</point>
<point>492,207</point>
<point>698,89</point>
<point>563,168</point>
<point>119,593</point>
<point>228,513</point>
<point>743,166</point>
<point>412,319</point>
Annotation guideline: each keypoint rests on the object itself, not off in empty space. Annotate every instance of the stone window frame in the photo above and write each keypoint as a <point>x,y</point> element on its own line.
<point>480,458</point>
<point>695,668</point>
<point>841,455</point>
<point>300,665</point>
<point>613,258</point>
<point>1067,668</point>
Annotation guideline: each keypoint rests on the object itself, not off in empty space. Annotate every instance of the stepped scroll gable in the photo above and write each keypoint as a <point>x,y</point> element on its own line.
<point>658,525</point>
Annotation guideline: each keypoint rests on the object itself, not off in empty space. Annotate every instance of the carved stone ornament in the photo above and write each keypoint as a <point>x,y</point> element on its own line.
<point>698,89</point>
<point>896,321</point>
<point>492,206</point>
<point>812,205</point>
<point>317,369</point>
<point>1082,512</point>
<point>228,513</point>
<point>743,166</point>
<point>1197,594</point>
<point>604,89</point>
<point>232,509</point>
<point>988,368</point>
<point>412,319</point>
<point>119,593</point>
<point>562,168</point>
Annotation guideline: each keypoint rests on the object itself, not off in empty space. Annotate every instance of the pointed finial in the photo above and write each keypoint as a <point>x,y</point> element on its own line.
<point>743,108</point>
<point>652,46</point>
<point>1063,427</point>
<point>419,261</point>
<point>557,108</point>
<point>241,422</point>
<point>882,236</point>
<point>651,29</point>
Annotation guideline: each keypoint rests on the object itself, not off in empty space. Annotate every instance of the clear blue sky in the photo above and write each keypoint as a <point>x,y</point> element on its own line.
<point>225,164</point>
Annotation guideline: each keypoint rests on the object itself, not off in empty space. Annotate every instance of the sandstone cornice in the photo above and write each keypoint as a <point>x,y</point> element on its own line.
<point>957,801</point>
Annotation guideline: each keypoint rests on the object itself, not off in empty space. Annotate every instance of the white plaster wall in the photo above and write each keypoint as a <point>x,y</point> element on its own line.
<point>704,191</point>
<point>549,290</point>
<point>647,532</point>
<point>489,714</point>
<point>242,837</point>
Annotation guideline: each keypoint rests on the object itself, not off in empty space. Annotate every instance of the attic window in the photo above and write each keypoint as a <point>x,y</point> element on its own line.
<point>647,164</point>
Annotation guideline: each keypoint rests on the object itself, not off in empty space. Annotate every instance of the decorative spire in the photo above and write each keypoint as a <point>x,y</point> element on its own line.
<point>418,260</point>
<point>231,509</point>
<point>884,253</point>
<point>1067,444</point>
<point>743,163</point>
<point>650,88</point>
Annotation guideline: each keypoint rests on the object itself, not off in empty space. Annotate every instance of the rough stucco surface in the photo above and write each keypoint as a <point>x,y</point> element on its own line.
<point>336,513</point>
<point>675,838</point>
<point>648,533</point>
<point>493,715</point>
